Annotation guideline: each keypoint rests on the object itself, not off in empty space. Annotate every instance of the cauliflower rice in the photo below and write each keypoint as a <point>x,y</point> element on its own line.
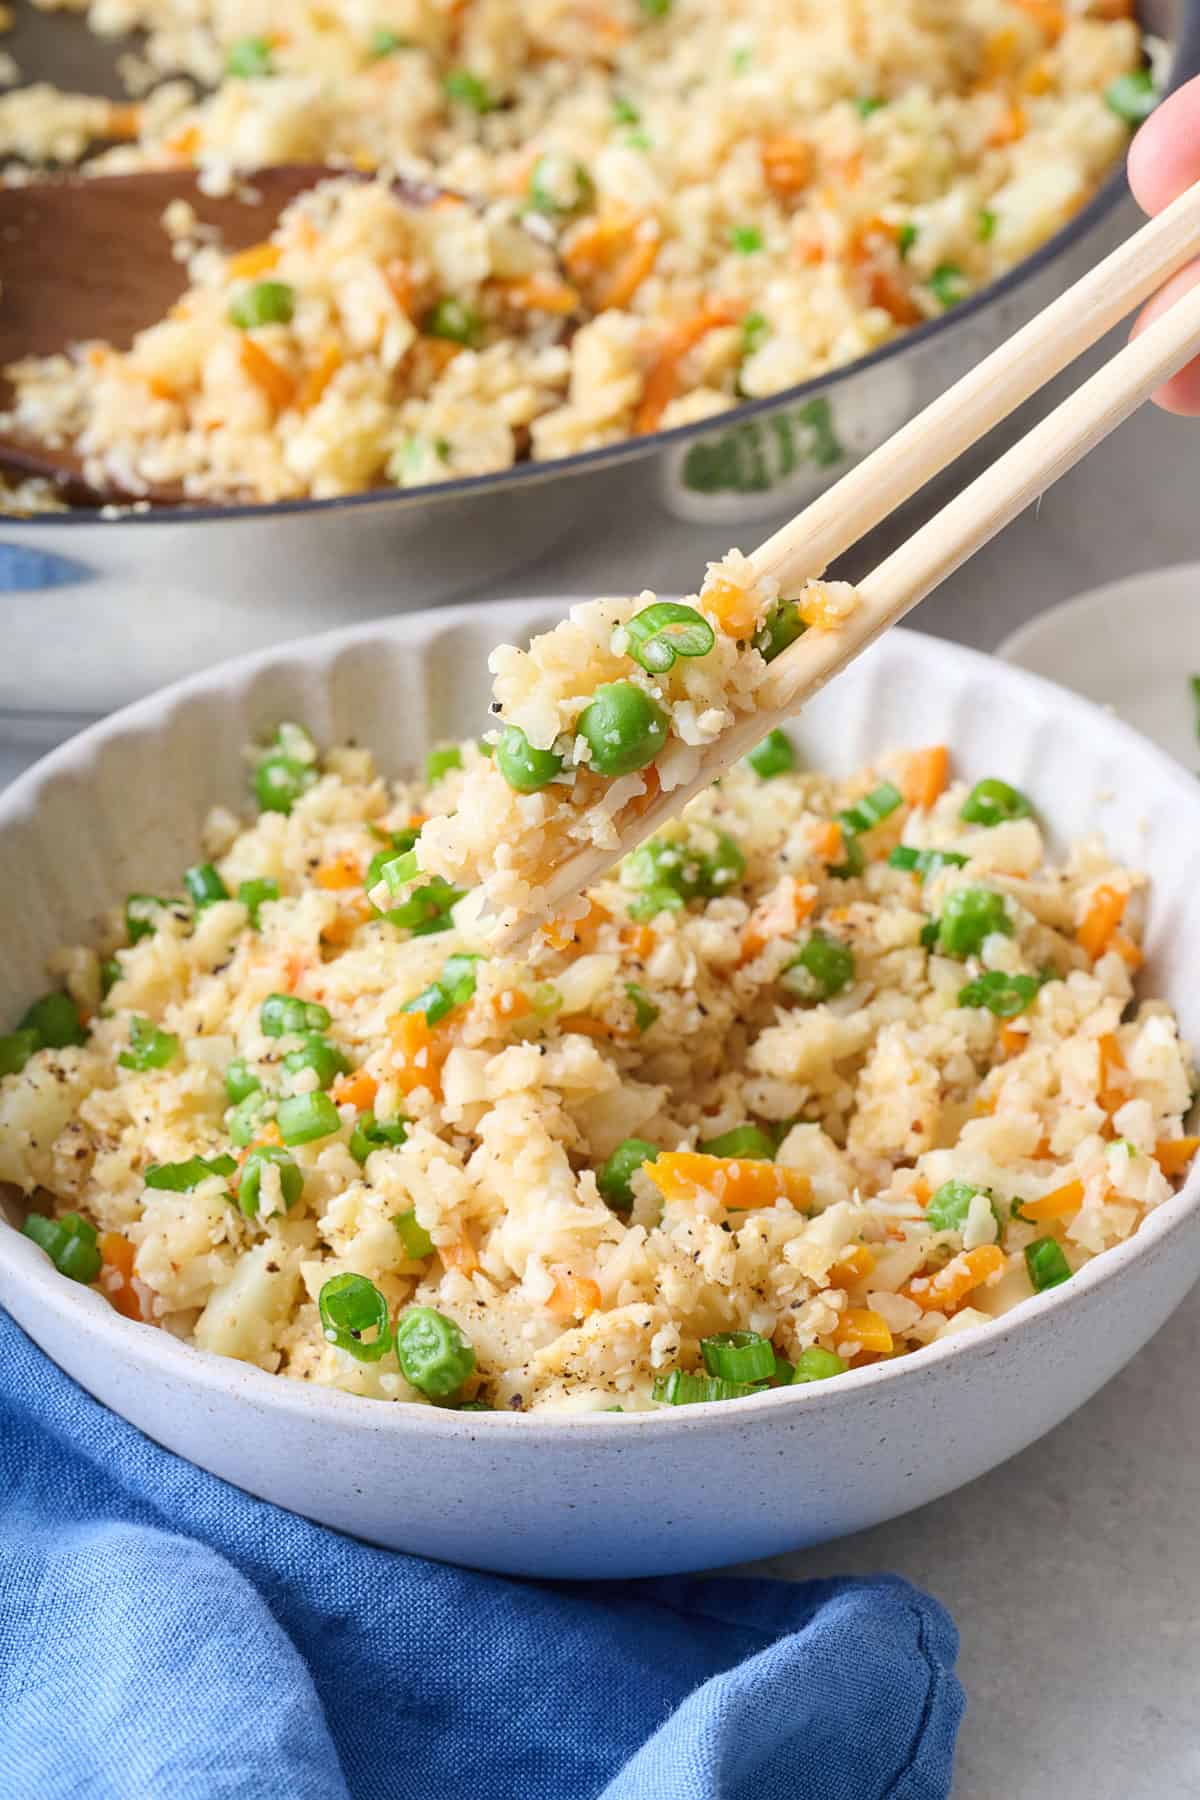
<point>669,205</point>
<point>847,1107</point>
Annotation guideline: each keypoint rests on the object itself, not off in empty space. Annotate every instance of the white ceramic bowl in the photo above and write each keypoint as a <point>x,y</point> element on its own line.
<point>599,1495</point>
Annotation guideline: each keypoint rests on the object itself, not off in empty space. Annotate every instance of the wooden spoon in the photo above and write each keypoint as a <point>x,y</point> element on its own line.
<point>87,258</point>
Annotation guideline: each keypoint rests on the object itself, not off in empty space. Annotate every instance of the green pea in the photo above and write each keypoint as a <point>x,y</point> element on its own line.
<point>623,728</point>
<point>523,767</point>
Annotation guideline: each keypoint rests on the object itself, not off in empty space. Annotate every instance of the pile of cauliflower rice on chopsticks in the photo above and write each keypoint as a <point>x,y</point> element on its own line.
<point>823,1072</point>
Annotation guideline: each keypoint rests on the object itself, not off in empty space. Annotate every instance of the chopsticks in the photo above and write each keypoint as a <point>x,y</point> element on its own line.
<point>891,474</point>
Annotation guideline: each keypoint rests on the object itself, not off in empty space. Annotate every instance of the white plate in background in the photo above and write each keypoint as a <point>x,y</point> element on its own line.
<point>1133,646</point>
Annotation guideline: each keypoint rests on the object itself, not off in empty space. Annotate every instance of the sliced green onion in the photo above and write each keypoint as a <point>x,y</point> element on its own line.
<point>781,627</point>
<point>16,1050</point>
<point>282,1014</point>
<point>559,184</point>
<point>644,1010</point>
<point>371,1134</point>
<point>1046,1263</point>
<point>204,885</point>
<point>1004,995</point>
<point>994,802</point>
<point>655,9</point>
<point>302,1118</point>
<point>660,633</point>
<point>721,868</point>
<point>855,861</point>
<point>69,1242</point>
<point>247,1118</point>
<point>872,809</point>
<point>755,332</point>
<point>385,42</point>
<point>823,968</point>
<point>948,284</point>
<point>433,1354</point>
<point>454,987</point>
<point>440,762</point>
<point>110,973</point>
<point>182,1177</point>
<point>279,781</point>
<point>624,112</point>
<point>985,225</point>
<point>741,59</point>
<point>815,1364</point>
<point>746,1142</point>
<point>523,767</point>
<point>614,1177</point>
<point>1132,96</point>
<point>354,1316</point>
<point>263,303</point>
<point>250,57</point>
<point>400,843</point>
<point>745,239</point>
<point>468,90</point>
<point>149,1048</point>
<point>240,1080</point>
<point>416,1240</point>
<point>929,934</point>
<point>774,756</point>
<point>319,1054</point>
<point>455,321</point>
<point>141,916</point>
<point>423,910</point>
<point>924,863</point>
<point>56,1021</point>
<point>681,1389</point>
<point>623,728</point>
<point>867,104</point>
<point>253,895</point>
<point>969,916</point>
<point>906,237</point>
<point>291,1178</point>
<point>738,1356</point>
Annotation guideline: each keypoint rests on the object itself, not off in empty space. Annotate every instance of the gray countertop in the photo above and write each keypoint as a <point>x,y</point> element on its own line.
<point>1073,1571</point>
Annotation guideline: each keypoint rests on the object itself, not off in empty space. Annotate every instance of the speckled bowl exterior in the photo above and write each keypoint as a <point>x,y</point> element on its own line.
<point>120,808</point>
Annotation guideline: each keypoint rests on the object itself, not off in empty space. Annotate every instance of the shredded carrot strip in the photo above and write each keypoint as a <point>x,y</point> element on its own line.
<point>787,164</point>
<point>1130,953</point>
<point>862,1329</point>
<point>1106,909</point>
<point>511,1004</point>
<point>357,1089</point>
<point>731,606</point>
<point>736,1183</point>
<point>415,1054</point>
<point>116,1274</point>
<point>612,253</point>
<point>320,375</point>
<point>257,260</point>
<point>267,375</point>
<point>962,1274</point>
<point>662,378</point>
<point>775,917</point>
<point>543,293</point>
<point>854,1265</point>
<point>1110,1094</point>
<point>629,274</point>
<point>344,871</point>
<point>925,775</point>
<point>573,1297</point>
<point>586,1026</point>
<point>1062,1203</point>
<point>1173,1155</point>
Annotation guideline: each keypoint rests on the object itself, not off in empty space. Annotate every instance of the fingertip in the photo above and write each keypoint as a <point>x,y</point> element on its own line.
<point>1164,157</point>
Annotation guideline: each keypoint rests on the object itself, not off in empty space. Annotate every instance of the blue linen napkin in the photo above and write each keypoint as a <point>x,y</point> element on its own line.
<point>163,1636</point>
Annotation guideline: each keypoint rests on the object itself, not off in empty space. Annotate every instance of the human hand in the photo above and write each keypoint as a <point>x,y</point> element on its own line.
<point>1163,160</point>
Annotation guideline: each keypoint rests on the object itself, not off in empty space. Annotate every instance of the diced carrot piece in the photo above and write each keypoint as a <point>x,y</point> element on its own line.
<point>640,939</point>
<point>827,842</point>
<point>629,274</point>
<point>1111,1094</point>
<point>344,871</point>
<point>415,1057</point>
<point>398,276</point>
<point>1129,952</point>
<point>1062,1203</point>
<point>543,293</point>
<point>862,1329</point>
<point>577,935</point>
<point>320,375</point>
<point>815,608</point>
<point>948,1289</point>
<point>925,775</point>
<point>1012,1039</point>
<point>662,378</point>
<point>461,1255</point>
<point>1048,16</point>
<point>1038,78</point>
<point>853,1265</point>
<point>116,1274</point>
<point>776,917</point>
<point>257,260</point>
<point>124,122</point>
<point>511,1004</point>
<point>268,1133</point>
<point>731,606</point>
<point>737,1183</point>
<point>342,928</point>
<point>921,1191</point>
<point>1042,1150</point>
<point>267,375</point>
<point>612,254</point>
<point>161,388</point>
<point>787,164</point>
<point>1105,910</point>
<point>1010,126</point>
<point>573,1297</point>
<point>1173,1155</point>
<point>358,1089</point>
<point>184,143</point>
